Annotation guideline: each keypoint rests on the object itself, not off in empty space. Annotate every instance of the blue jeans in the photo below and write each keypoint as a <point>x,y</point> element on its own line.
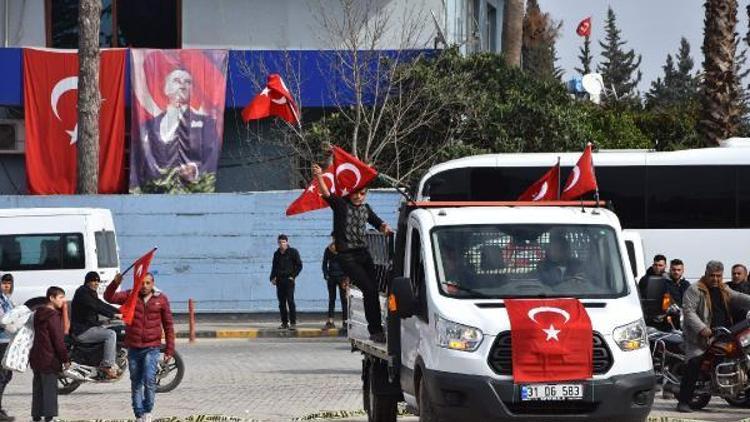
<point>143,365</point>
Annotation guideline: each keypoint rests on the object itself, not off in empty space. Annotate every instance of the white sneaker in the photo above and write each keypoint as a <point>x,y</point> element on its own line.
<point>146,417</point>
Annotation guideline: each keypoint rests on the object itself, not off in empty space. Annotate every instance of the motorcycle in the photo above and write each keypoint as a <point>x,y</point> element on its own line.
<point>724,368</point>
<point>85,359</point>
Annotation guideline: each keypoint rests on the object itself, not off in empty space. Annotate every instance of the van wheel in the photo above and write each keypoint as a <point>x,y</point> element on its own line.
<point>426,410</point>
<point>379,407</point>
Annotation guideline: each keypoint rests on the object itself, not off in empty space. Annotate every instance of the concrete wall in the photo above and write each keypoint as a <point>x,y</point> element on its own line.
<point>217,248</point>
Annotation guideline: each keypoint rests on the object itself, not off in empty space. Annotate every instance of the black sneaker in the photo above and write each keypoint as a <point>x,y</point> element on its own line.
<point>283,326</point>
<point>329,325</point>
<point>684,408</point>
<point>4,417</point>
<point>293,326</point>
<point>378,337</point>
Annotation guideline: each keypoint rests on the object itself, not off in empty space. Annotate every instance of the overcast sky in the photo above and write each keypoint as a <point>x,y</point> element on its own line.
<point>652,27</point>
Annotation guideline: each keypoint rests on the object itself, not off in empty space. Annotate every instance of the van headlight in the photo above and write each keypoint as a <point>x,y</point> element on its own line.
<point>631,336</point>
<point>453,335</point>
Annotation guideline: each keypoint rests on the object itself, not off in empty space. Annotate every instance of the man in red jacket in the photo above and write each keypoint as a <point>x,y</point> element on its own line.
<point>143,340</point>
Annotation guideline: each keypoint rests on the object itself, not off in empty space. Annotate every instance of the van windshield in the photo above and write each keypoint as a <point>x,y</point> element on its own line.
<point>530,260</point>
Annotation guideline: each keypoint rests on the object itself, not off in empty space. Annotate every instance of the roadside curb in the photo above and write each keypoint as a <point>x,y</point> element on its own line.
<point>263,333</point>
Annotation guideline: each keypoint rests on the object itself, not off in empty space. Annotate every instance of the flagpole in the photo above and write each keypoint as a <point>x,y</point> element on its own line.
<point>559,175</point>
<point>394,184</point>
<point>133,264</point>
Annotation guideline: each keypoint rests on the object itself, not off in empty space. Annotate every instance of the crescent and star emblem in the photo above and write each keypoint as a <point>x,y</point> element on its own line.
<point>551,332</point>
<point>351,167</point>
<point>576,175</point>
<point>330,177</point>
<point>542,192</point>
<point>61,87</point>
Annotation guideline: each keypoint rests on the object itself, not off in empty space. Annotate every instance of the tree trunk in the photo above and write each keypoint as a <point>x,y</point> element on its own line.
<point>513,31</point>
<point>719,99</point>
<point>89,102</point>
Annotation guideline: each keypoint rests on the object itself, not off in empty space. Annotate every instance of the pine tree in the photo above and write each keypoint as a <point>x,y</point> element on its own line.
<point>538,50</point>
<point>585,57</point>
<point>619,68</point>
<point>679,85</point>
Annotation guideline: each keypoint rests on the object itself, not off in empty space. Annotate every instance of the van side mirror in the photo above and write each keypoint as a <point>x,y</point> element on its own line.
<point>401,298</point>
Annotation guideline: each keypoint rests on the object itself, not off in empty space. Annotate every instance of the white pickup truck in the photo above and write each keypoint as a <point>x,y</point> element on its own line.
<point>444,279</point>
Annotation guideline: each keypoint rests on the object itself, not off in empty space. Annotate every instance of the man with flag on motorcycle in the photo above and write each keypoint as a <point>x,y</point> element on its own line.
<point>707,305</point>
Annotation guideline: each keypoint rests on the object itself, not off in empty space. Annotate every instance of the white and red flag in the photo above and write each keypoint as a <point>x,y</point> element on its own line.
<point>140,269</point>
<point>584,27</point>
<point>274,100</point>
<point>50,81</point>
<point>311,199</point>
<point>582,178</point>
<point>544,189</point>
<point>552,340</point>
<point>351,173</point>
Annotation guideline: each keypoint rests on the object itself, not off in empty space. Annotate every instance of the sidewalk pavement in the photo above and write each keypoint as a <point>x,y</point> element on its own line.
<point>263,325</point>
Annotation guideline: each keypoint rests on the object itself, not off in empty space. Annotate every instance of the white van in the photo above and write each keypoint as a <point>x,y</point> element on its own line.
<point>448,352</point>
<point>43,247</point>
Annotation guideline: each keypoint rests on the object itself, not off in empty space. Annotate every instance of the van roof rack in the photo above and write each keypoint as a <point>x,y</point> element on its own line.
<point>457,204</point>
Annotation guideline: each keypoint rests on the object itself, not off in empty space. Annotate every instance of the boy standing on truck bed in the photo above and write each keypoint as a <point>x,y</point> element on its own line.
<point>350,216</point>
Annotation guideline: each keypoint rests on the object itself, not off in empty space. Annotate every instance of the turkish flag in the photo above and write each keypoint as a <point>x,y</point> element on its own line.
<point>584,27</point>
<point>274,100</point>
<point>582,179</point>
<point>544,189</point>
<point>351,173</point>
<point>311,199</point>
<point>140,269</point>
<point>50,82</point>
<point>552,340</point>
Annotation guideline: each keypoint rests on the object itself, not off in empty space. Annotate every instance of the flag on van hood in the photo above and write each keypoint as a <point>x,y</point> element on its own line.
<point>582,178</point>
<point>552,340</point>
<point>140,269</point>
<point>544,189</point>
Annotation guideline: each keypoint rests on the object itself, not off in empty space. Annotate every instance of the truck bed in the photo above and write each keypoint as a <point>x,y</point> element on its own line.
<point>357,332</point>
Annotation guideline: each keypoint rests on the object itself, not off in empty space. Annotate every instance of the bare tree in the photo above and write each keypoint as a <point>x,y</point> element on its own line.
<point>89,102</point>
<point>513,31</point>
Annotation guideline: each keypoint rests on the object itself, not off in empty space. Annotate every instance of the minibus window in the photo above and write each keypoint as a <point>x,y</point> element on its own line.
<point>53,251</point>
<point>106,249</point>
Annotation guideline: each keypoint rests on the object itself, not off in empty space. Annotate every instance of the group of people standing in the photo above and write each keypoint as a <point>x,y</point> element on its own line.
<point>705,305</point>
<point>48,356</point>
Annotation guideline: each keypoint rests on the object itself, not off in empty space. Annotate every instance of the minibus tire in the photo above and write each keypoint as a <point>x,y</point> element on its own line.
<point>379,407</point>
<point>426,410</point>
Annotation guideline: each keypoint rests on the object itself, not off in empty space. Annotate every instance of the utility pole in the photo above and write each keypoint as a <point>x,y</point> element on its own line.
<point>89,98</point>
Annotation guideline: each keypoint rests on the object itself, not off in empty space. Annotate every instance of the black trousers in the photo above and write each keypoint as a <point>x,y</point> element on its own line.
<point>333,284</point>
<point>689,378</point>
<point>358,265</point>
<point>285,294</point>
<point>44,396</point>
<point>5,374</point>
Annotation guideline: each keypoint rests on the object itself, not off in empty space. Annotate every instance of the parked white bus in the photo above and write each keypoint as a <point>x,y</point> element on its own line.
<point>689,204</point>
<point>42,247</point>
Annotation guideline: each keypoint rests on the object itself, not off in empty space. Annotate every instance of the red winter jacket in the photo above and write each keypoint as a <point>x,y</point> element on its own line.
<point>48,352</point>
<point>149,319</point>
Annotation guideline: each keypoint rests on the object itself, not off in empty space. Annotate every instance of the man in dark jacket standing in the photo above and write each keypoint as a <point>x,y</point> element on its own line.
<point>143,339</point>
<point>656,269</point>
<point>285,269</point>
<point>85,312</point>
<point>336,278</point>
<point>48,355</point>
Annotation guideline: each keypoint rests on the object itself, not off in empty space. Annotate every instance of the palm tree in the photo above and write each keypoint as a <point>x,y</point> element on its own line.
<point>89,16</point>
<point>513,31</point>
<point>720,109</point>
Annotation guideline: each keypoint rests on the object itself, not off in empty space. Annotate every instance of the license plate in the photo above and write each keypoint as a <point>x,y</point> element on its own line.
<point>549,392</point>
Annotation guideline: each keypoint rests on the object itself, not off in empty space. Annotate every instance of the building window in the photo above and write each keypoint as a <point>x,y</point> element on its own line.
<point>492,28</point>
<point>124,23</point>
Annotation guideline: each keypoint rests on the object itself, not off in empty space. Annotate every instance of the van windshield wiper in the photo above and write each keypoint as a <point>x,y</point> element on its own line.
<point>468,290</point>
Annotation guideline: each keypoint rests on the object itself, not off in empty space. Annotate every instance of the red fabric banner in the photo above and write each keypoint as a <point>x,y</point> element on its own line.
<point>351,173</point>
<point>582,179</point>
<point>140,269</point>
<point>50,82</point>
<point>544,189</point>
<point>274,100</point>
<point>311,199</point>
<point>552,340</point>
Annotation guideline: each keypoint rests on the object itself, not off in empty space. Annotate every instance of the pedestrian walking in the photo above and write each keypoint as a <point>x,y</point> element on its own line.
<point>335,279</point>
<point>48,356</point>
<point>284,271</point>
<point>350,217</point>
<point>151,318</point>
<point>6,305</point>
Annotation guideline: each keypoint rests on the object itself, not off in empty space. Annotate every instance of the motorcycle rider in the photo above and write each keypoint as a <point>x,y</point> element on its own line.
<point>707,304</point>
<point>86,326</point>
<point>143,340</point>
<point>675,284</point>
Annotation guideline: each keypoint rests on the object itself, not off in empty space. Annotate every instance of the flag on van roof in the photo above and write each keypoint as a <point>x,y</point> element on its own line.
<point>544,189</point>
<point>582,178</point>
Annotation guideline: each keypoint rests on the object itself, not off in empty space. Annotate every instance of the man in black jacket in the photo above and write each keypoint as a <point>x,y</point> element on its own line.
<point>656,269</point>
<point>336,278</point>
<point>286,267</point>
<point>85,325</point>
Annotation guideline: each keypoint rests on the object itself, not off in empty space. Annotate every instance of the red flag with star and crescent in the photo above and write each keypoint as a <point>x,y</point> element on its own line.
<point>274,100</point>
<point>582,178</point>
<point>311,199</point>
<point>50,83</point>
<point>351,173</point>
<point>584,27</point>
<point>551,340</point>
<point>140,269</point>
<point>544,189</point>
